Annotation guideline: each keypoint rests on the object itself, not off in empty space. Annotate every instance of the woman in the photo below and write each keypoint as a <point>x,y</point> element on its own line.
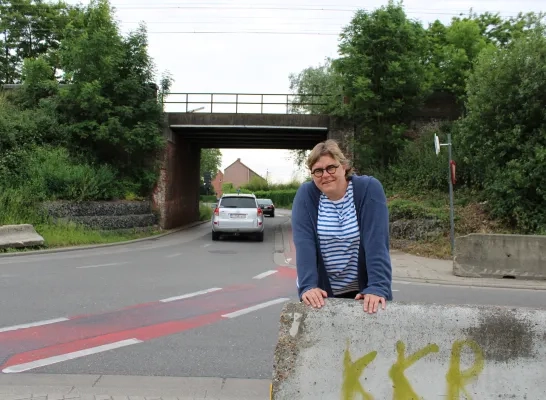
<point>340,225</point>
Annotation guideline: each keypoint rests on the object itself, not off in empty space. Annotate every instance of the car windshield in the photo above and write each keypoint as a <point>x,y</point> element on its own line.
<point>238,202</point>
<point>265,202</point>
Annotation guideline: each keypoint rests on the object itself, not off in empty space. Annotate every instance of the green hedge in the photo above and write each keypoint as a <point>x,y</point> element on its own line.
<point>281,198</point>
<point>208,199</point>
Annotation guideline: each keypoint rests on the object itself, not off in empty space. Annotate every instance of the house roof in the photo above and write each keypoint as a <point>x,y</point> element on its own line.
<point>240,162</point>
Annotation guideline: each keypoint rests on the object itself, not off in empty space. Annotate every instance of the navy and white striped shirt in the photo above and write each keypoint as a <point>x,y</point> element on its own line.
<point>339,237</point>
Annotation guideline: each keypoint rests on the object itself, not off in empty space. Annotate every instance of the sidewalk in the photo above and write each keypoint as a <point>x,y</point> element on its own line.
<point>407,267</point>
<point>107,387</point>
<point>410,268</point>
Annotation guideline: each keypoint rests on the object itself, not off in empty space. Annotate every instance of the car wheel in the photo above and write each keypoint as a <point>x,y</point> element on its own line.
<point>215,235</point>
<point>260,237</point>
<point>273,214</point>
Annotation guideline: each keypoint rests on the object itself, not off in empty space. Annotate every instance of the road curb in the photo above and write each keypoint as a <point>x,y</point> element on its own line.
<point>466,284</point>
<point>103,245</point>
<point>107,386</point>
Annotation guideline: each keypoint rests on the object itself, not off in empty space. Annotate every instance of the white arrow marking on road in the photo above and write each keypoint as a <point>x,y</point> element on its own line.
<point>69,356</point>
<point>264,274</point>
<point>103,265</point>
<point>187,296</point>
<point>33,324</point>
<point>254,308</point>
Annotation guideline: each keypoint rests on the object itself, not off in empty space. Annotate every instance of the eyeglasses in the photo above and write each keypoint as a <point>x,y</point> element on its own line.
<point>331,169</point>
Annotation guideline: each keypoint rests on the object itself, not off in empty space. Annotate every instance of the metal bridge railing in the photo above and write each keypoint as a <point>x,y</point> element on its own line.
<point>244,102</point>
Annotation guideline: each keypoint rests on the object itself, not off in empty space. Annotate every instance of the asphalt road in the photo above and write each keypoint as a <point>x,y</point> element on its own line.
<point>118,310</point>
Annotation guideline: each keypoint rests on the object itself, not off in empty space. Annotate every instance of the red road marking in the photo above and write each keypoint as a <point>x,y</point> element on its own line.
<point>143,321</point>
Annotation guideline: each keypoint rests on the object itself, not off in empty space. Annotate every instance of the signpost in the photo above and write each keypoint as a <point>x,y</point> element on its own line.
<point>451,179</point>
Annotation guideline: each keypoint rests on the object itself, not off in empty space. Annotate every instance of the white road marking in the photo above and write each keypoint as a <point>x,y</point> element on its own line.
<point>287,260</point>
<point>173,255</point>
<point>187,296</point>
<point>395,290</point>
<point>102,265</point>
<point>206,245</point>
<point>264,274</point>
<point>32,324</point>
<point>69,356</point>
<point>254,308</point>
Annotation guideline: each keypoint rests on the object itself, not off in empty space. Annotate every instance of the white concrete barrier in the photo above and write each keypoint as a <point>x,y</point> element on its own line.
<point>500,256</point>
<point>18,236</point>
<point>409,352</point>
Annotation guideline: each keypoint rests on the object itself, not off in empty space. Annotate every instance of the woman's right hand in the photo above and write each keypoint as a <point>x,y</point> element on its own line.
<point>314,297</point>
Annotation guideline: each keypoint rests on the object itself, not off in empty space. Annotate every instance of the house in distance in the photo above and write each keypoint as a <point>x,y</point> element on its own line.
<point>237,173</point>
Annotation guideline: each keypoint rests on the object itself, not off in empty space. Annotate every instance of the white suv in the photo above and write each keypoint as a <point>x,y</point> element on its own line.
<point>238,213</point>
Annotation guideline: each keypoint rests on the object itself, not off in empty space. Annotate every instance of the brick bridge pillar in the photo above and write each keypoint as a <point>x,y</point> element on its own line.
<point>343,132</point>
<point>176,196</point>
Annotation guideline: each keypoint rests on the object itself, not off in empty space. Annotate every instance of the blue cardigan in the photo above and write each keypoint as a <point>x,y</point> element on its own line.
<point>375,270</point>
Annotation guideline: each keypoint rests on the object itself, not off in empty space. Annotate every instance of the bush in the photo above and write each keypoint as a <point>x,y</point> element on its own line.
<point>208,199</point>
<point>408,209</point>
<point>281,198</point>
<point>419,169</point>
<point>205,212</point>
<point>49,173</point>
<point>503,136</point>
<point>256,183</point>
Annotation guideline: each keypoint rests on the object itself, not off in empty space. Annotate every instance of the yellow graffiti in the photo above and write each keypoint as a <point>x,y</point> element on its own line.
<point>457,379</point>
<point>401,386</point>
<point>351,375</point>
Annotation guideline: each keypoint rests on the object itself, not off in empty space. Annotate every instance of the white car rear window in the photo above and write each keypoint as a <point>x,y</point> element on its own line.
<point>238,202</point>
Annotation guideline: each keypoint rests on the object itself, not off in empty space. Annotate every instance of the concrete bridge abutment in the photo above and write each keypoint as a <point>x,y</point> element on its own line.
<point>176,197</point>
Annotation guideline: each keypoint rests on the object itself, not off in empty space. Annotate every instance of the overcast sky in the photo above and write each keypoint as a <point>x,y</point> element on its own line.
<point>238,57</point>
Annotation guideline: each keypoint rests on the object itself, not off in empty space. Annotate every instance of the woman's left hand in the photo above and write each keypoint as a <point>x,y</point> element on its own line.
<point>371,301</point>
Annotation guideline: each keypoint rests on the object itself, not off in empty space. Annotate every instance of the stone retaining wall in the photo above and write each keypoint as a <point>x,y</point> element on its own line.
<point>416,229</point>
<point>104,215</point>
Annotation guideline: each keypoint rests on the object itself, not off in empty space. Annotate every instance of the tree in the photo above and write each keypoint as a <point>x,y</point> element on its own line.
<point>502,139</point>
<point>211,159</point>
<point>29,29</point>
<point>453,50</point>
<point>317,90</point>
<point>382,71</point>
<point>110,109</point>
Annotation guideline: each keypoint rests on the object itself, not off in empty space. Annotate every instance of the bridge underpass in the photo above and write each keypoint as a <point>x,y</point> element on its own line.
<point>177,194</point>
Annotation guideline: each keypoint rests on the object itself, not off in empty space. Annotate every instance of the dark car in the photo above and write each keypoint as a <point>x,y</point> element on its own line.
<point>267,206</point>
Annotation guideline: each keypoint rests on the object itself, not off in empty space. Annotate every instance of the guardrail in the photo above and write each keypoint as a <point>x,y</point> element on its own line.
<point>291,103</point>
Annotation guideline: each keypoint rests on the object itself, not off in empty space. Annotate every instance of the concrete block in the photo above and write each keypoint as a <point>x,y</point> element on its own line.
<point>500,256</point>
<point>409,351</point>
<point>18,236</point>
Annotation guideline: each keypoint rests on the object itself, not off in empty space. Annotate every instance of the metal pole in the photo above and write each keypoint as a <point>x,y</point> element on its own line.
<point>451,211</point>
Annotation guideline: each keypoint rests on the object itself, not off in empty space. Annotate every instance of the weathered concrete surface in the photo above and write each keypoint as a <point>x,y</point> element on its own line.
<point>499,256</point>
<point>409,351</point>
<point>17,236</point>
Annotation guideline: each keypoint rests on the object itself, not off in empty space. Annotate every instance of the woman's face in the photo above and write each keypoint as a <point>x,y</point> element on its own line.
<point>329,176</point>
